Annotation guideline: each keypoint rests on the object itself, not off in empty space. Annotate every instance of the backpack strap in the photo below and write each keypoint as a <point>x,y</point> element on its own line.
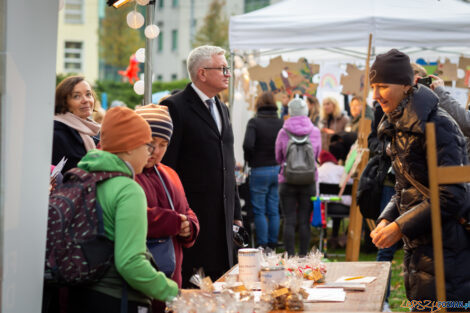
<point>420,187</point>
<point>164,186</point>
<point>124,297</point>
<point>90,177</point>
<point>297,139</point>
<point>427,194</point>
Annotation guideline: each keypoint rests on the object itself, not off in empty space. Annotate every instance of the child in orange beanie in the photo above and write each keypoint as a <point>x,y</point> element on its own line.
<point>126,146</point>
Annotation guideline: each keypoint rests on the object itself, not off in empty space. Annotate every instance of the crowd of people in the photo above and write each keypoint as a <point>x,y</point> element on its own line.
<point>177,178</point>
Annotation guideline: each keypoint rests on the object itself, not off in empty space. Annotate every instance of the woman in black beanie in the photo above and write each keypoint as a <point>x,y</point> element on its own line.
<point>407,109</point>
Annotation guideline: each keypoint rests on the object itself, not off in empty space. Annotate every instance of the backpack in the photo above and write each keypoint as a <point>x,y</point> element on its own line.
<point>369,191</point>
<point>299,168</point>
<point>77,250</point>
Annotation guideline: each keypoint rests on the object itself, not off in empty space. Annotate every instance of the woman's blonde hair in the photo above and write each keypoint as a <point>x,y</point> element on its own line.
<point>336,108</point>
<point>316,107</point>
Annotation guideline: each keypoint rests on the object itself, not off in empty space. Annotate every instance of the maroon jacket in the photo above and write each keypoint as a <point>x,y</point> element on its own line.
<point>162,220</point>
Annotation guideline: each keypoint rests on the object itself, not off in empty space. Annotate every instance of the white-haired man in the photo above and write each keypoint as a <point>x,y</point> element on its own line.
<point>201,152</point>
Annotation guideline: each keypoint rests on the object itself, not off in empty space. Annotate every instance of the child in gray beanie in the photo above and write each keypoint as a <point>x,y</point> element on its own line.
<point>295,199</point>
<point>298,107</point>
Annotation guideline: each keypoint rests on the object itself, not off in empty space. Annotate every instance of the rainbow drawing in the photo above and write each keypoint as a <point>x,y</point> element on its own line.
<point>430,67</point>
<point>328,81</point>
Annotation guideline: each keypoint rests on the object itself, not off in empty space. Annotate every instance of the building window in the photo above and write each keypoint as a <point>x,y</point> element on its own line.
<point>174,3</point>
<point>74,11</point>
<point>160,42</point>
<point>173,76</point>
<point>160,4</point>
<point>159,77</point>
<point>252,5</point>
<point>174,40</point>
<point>73,57</point>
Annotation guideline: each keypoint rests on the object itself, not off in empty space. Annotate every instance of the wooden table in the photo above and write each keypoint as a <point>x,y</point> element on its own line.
<point>370,300</point>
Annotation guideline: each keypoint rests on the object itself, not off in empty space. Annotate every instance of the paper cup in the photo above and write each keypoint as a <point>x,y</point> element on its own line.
<point>249,265</point>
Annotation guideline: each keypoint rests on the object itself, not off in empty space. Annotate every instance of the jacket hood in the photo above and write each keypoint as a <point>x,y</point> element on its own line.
<point>298,125</point>
<point>103,161</point>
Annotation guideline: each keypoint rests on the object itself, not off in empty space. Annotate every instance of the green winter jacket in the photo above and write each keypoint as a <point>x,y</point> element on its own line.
<point>125,222</point>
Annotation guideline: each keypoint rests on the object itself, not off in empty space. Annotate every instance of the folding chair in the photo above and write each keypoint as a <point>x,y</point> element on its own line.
<point>440,175</point>
<point>333,207</point>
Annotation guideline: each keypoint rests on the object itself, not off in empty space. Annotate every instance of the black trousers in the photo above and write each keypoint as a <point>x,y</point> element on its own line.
<point>296,208</point>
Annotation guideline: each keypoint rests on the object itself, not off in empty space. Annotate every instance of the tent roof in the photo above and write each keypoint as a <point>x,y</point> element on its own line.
<point>304,24</point>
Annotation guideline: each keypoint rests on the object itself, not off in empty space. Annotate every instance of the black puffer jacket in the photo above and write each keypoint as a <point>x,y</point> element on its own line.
<point>411,210</point>
<point>260,137</point>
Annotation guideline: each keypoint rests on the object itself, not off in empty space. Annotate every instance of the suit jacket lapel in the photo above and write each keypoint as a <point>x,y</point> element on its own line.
<point>200,109</point>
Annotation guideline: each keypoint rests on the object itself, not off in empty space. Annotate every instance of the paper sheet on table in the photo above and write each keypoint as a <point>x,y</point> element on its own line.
<point>58,168</point>
<point>347,286</point>
<point>219,286</point>
<point>363,280</point>
<point>325,295</point>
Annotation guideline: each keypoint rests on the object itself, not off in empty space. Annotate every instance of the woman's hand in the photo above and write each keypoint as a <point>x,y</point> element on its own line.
<point>185,230</point>
<point>387,236</point>
<point>379,227</point>
<point>437,82</point>
<point>327,131</point>
<point>52,184</point>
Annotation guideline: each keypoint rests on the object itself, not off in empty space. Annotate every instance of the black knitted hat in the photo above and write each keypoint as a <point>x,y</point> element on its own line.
<point>392,67</point>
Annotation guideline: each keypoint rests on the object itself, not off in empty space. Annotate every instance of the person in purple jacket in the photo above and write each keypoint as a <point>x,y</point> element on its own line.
<point>295,199</point>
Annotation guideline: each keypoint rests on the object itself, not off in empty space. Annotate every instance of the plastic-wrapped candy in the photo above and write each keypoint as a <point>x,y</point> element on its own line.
<point>294,302</point>
<point>200,280</point>
<point>294,299</point>
<point>266,302</point>
<point>280,296</point>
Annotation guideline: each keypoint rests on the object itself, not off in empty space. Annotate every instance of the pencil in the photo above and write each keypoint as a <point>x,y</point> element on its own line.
<point>353,278</point>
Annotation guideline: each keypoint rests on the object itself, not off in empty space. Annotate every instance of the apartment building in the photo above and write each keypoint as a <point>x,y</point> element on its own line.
<point>77,38</point>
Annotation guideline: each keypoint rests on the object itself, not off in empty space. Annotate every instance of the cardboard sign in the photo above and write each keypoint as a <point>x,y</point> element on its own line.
<point>447,71</point>
<point>464,64</point>
<point>353,82</point>
<point>280,76</point>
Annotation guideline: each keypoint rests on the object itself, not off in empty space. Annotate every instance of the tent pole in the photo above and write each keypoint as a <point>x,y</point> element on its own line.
<point>355,217</point>
<point>231,82</point>
<point>150,12</point>
<point>366,79</point>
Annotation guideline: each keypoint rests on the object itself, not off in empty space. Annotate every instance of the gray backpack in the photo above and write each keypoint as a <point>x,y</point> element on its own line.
<point>299,168</point>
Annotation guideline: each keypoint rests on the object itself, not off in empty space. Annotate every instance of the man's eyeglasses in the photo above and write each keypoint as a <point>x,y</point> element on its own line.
<point>150,148</point>
<point>225,70</point>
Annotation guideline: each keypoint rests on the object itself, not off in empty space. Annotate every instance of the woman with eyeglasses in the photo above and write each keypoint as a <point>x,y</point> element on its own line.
<point>168,212</point>
<point>75,132</point>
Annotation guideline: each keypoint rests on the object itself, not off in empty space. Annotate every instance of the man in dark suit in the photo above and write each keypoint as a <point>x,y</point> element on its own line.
<point>201,152</point>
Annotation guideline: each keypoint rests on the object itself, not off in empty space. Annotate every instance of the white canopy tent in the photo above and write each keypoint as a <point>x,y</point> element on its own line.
<point>337,25</point>
<point>338,31</point>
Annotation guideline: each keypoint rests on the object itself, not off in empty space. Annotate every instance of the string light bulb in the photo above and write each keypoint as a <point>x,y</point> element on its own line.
<point>152,31</point>
<point>140,55</point>
<point>139,87</point>
<point>135,20</point>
